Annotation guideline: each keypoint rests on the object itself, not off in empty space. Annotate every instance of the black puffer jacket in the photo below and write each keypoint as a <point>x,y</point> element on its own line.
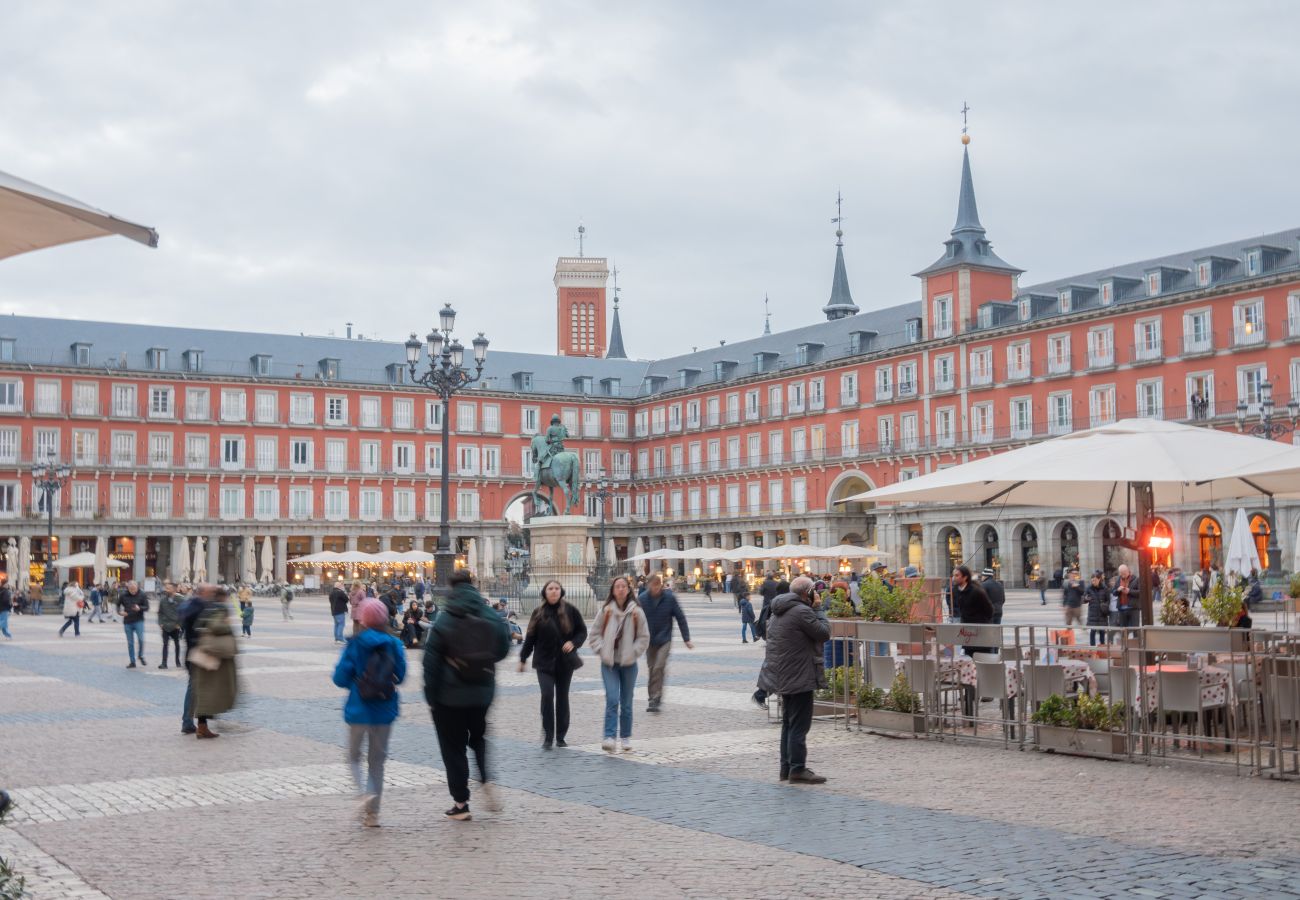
<point>545,637</point>
<point>795,635</point>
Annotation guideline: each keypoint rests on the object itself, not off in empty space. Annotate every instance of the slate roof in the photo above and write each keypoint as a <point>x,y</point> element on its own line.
<point>968,245</point>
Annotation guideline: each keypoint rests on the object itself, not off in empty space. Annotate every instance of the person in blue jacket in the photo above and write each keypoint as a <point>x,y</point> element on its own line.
<point>370,717</point>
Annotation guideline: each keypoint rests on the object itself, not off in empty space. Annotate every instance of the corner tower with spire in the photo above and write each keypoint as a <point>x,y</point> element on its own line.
<point>841,303</point>
<point>615,350</point>
<point>969,273</point>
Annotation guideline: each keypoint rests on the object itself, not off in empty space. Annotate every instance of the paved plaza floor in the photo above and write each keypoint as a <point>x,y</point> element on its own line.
<point>112,801</point>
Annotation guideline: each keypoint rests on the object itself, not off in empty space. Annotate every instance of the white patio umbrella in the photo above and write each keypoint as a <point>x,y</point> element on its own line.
<point>248,567</point>
<point>83,560</point>
<point>267,560</point>
<point>471,555</point>
<point>743,552</point>
<point>200,560</point>
<point>661,554</point>
<point>1295,561</point>
<point>417,556</point>
<point>1242,555</point>
<point>11,563</point>
<point>611,553</point>
<point>180,559</point>
<point>24,562</point>
<point>101,560</point>
<point>590,553</point>
<point>489,558</point>
<point>1096,468</point>
<point>791,551</point>
<point>848,551</point>
<point>638,550</point>
<point>33,217</point>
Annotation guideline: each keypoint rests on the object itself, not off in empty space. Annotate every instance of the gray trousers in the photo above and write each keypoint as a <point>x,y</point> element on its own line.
<point>376,753</point>
<point>657,661</point>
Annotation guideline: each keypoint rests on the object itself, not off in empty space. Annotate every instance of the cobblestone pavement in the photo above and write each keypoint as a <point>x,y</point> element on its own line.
<point>111,801</point>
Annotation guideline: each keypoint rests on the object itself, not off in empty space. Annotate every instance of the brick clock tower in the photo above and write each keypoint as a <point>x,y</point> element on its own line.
<point>580,326</point>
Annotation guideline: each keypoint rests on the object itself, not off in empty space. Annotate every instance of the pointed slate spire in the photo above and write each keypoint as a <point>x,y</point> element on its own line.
<point>615,349</point>
<point>841,303</point>
<point>968,214</point>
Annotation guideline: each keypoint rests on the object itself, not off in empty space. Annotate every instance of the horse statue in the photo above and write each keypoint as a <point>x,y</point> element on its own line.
<point>560,471</point>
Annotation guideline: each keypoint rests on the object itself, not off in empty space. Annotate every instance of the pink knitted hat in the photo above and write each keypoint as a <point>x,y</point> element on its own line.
<point>373,614</point>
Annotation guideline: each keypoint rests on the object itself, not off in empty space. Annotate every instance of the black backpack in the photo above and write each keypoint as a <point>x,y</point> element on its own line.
<point>470,648</point>
<point>377,680</point>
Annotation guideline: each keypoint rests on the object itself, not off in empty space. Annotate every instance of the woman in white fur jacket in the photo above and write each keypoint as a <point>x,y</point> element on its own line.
<point>619,636</point>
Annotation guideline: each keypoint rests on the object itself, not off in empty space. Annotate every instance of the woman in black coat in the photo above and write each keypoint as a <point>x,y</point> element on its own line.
<point>1097,595</point>
<point>555,632</point>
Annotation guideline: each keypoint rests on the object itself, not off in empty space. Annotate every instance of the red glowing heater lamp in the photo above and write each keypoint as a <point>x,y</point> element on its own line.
<point>1159,542</point>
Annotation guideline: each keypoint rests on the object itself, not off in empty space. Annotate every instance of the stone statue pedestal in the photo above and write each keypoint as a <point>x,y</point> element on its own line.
<point>557,550</point>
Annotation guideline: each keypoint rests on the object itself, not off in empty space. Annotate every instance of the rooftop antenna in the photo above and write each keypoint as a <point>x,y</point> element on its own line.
<point>839,218</point>
<point>965,108</point>
<point>615,274</point>
<point>582,231</point>
<point>767,316</point>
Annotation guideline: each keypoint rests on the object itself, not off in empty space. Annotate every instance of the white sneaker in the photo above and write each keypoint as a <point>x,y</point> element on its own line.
<point>627,745</point>
<point>608,745</point>
<point>363,810</point>
<point>490,799</point>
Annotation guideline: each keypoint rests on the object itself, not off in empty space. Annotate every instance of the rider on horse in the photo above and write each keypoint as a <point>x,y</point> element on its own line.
<point>555,436</point>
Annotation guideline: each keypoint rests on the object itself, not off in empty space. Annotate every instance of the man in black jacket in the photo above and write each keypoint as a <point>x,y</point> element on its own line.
<point>132,604</point>
<point>972,604</point>
<point>339,610</point>
<point>799,630</point>
<point>996,593</point>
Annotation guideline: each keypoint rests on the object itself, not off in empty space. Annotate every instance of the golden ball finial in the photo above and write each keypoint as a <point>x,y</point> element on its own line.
<point>965,138</point>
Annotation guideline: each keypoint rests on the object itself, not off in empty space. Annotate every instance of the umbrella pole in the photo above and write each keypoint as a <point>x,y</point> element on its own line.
<point>1144,510</point>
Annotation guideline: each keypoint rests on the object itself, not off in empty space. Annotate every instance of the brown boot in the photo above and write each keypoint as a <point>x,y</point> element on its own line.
<point>204,732</point>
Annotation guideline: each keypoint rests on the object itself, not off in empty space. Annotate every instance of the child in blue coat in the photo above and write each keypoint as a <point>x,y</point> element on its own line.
<point>371,707</point>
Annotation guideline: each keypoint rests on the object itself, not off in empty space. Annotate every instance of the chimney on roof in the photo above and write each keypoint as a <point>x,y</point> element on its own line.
<point>349,331</point>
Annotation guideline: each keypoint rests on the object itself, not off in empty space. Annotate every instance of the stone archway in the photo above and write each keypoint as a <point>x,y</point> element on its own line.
<point>990,556</point>
<point>1207,538</point>
<point>949,549</point>
<point>846,484</point>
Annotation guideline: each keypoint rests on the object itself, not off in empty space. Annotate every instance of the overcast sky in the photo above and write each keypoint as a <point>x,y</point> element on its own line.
<point>309,164</point>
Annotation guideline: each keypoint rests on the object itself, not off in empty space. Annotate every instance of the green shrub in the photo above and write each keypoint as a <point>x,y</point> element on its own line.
<point>838,605</point>
<point>1293,590</point>
<point>1173,611</point>
<point>880,603</point>
<point>1223,605</point>
<point>1086,712</point>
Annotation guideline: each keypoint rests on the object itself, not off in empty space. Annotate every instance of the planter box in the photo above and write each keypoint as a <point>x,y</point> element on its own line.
<point>834,708</point>
<point>845,628</point>
<point>889,720</point>
<point>1077,742</point>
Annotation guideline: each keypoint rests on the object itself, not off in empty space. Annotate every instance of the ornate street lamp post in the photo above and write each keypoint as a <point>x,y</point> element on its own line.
<point>1266,427</point>
<point>48,478</point>
<point>602,491</point>
<point>445,376</point>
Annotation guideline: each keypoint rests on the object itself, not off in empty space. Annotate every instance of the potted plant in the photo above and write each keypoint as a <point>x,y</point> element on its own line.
<point>1085,726</point>
<point>843,684</point>
<point>1293,592</point>
<point>1174,610</point>
<point>896,709</point>
<point>1223,605</point>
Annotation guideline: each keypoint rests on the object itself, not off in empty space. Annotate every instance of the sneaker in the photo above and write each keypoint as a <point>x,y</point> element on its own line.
<point>363,808</point>
<point>370,820</point>
<point>608,745</point>
<point>806,776</point>
<point>627,745</point>
<point>459,813</point>
<point>491,799</point>
<point>162,665</point>
<point>189,730</point>
<point>785,775</point>
<point>142,662</point>
<point>131,666</point>
<point>560,742</point>
<point>546,744</point>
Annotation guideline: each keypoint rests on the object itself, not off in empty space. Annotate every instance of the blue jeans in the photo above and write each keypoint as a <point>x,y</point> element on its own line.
<point>137,629</point>
<point>620,682</point>
<point>340,620</point>
<point>750,626</point>
<point>187,714</point>
<point>4,624</point>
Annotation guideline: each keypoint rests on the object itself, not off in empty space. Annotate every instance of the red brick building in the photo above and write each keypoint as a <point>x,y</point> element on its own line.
<point>321,443</point>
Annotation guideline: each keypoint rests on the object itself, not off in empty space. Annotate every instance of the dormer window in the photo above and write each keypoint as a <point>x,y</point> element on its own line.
<point>157,358</point>
<point>719,371</point>
<point>328,368</point>
<point>912,330</point>
<point>81,354</point>
<point>582,384</point>
<point>262,364</point>
<point>613,386</point>
<point>952,250</point>
<point>1153,283</point>
<point>1202,274</point>
<point>1065,300</point>
<point>1023,308</point>
<point>396,373</point>
<point>193,360</point>
<point>801,355</point>
<point>1254,262</point>
<point>686,377</point>
<point>523,381</point>
<point>7,346</point>
<point>1107,293</point>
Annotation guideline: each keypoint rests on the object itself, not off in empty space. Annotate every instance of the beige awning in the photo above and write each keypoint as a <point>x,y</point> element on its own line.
<point>33,217</point>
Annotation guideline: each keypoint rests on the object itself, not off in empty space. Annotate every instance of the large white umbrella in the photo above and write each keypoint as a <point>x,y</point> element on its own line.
<point>848,551</point>
<point>590,553</point>
<point>488,556</point>
<point>267,560</point>
<point>1295,562</point>
<point>1096,469</point>
<point>200,560</point>
<point>11,563</point>
<point>638,552</point>
<point>33,217</point>
<point>101,560</point>
<point>24,562</point>
<point>417,556</point>
<point>1242,555</point>
<point>471,556</point>
<point>84,560</point>
<point>791,551</point>
<point>1092,469</point>
<point>611,554</point>
<point>180,558</point>
<point>663,553</point>
<point>248,569</point>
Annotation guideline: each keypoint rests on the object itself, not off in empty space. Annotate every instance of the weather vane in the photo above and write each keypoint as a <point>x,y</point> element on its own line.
<point>615,273</point>
<point>965,108</point>
<point>767,316</point>
<point>582,231</point>
<point>839,218</point>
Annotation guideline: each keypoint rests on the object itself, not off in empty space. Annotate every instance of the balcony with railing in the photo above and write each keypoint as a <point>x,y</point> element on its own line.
<point>884,392</point>
<point>1099,359</point>
<point>1018,371</point>
<point>1251,334</point>
<point>1293,326</point>
<point>981,377</point>
<point>1147,352</point>
<point>907,389</point>
<point>1198,344</point>
<point>1058,364</point>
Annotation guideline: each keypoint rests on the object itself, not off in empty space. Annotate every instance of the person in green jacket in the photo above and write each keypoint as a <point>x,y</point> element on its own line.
<point>466,642</point>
